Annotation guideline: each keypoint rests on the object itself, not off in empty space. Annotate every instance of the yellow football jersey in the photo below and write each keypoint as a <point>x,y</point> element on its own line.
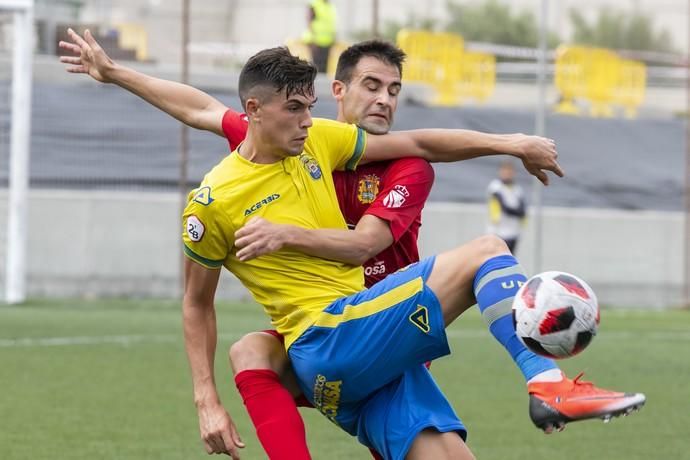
<point>292,287</point>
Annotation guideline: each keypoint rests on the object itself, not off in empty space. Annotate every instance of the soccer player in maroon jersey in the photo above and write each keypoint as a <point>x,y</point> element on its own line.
<point>382,202</point>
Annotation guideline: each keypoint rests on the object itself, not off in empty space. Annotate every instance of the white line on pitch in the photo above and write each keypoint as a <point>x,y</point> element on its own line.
<point>124,340</point>
<point>127,340</point>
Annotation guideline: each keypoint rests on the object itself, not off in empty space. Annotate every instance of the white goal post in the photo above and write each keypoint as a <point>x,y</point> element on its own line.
<point>17,203</point>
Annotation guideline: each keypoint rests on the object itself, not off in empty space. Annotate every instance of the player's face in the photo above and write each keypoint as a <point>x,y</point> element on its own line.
<point>284,122</point>
<point>371,97</point>
<point>507,174</point>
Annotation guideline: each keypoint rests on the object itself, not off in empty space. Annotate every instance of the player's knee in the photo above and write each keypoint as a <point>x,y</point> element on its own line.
<point>250,352</point>
<point>489,246</point>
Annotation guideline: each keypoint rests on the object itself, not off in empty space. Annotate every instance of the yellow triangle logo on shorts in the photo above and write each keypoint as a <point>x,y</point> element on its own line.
<point>420,318</point>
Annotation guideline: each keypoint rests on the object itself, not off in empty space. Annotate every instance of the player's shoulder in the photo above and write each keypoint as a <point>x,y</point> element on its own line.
<point>410,165</point>
<point>217,188</point>
<point>495,185</point>
<point>326,123</point>
<point>324,127</point>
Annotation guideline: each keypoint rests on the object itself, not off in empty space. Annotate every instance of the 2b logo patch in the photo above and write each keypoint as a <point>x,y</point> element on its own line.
<point>195,229</point>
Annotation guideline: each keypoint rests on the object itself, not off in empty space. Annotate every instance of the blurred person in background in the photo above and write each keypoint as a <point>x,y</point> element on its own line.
<point>366,88</point>
<point>320,33</point>
<point>507,206</point>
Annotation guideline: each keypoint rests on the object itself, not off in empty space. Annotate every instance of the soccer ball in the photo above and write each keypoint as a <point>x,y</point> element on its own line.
<point>555,314</point>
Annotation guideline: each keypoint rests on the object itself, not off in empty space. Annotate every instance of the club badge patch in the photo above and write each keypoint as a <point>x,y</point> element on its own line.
<point>396,197</point>
<point>420,318</point>
<point>311,166</point>
<point>195,229</point>
<point>203,196</point>
<point>368,188</point>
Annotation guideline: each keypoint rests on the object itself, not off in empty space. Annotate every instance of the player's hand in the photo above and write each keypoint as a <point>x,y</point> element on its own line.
<point>89,56</point>
<point>218,431</point>
<point>538,156</point>
<point>259,237</point>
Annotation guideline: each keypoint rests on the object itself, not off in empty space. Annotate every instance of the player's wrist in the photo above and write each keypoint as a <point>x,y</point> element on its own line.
<point>206,402</point>
<point>290,236</point>
<point>514,145</point>
<point>111,72</point>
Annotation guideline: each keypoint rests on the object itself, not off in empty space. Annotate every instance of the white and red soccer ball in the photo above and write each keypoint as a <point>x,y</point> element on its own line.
<point>555,314</point>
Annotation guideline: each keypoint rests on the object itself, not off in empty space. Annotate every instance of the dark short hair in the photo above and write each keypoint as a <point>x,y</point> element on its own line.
<point>379,49</point>
<point>276,68</point>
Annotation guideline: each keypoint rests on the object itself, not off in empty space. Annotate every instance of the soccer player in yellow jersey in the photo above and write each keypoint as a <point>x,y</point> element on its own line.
<point>356,353</point>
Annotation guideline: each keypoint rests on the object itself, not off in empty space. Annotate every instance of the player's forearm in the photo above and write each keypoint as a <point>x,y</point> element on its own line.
<point>187,104</point>
<point>444,145</point>
<point>200,343</point>
<point>341,245</point>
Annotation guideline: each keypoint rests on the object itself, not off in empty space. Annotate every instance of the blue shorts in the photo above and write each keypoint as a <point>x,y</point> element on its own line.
<point>362,362</point>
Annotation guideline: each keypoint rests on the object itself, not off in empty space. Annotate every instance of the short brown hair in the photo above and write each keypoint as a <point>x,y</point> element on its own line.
<point>276,68</point>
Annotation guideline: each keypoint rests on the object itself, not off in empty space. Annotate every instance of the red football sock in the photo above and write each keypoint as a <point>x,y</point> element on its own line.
<point>274,414</point>
<point>375,454</point>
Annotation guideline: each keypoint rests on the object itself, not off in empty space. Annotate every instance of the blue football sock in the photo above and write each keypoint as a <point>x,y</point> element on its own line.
<point>495,285</point>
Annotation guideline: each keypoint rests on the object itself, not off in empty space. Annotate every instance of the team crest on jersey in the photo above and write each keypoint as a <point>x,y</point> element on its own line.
<point>368,188</point>
<point>396,197</point>
<point>203,196</point>
<point>420,318</point>
<point>311,166</point>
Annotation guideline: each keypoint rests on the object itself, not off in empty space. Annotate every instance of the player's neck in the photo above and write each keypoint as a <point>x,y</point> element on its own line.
<point>256,151</point>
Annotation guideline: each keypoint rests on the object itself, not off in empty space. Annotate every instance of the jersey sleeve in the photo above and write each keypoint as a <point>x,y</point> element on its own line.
<point>338,146</point>
<point>207,234</point>
<point>235,126</point>
<point>406,186</point>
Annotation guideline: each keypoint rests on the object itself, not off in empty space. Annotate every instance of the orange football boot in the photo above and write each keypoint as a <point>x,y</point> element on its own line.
<point>553,404</point>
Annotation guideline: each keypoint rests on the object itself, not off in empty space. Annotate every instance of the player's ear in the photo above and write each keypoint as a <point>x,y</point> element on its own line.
<point>338,89</point>
<point>252,108</point>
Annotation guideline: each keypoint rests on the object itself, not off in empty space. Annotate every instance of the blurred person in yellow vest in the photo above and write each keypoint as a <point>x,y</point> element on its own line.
<point>320,35</point>
<point>507,206</point>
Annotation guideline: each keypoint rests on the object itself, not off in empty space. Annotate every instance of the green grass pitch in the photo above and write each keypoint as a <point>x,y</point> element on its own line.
<point>109,380</point>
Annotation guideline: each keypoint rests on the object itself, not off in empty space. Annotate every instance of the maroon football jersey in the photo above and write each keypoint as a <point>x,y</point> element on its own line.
<point>394,191</point>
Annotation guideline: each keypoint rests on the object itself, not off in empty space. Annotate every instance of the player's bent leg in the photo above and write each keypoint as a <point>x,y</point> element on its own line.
<point>439,446</point>
<point>394,418</point>
<point>452,278</point>
<point>258,360</point>
<point>259,350</point>
<point>484,271</point>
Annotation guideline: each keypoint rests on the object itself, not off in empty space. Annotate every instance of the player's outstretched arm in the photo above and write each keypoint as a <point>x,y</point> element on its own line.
<point>183,102</point>
<point>371,236</point>
<point>538,154</point>
<point>217,429</point>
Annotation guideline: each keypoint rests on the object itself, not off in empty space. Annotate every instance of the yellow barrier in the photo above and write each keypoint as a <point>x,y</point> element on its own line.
<point>333,56</point>
<point>479,74</point>
<point>601,78</point>
<point>630,90</point>
<point>439,59</point>
<point>569,77</point>
<point>300,49</point>
<point>133,36</point>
